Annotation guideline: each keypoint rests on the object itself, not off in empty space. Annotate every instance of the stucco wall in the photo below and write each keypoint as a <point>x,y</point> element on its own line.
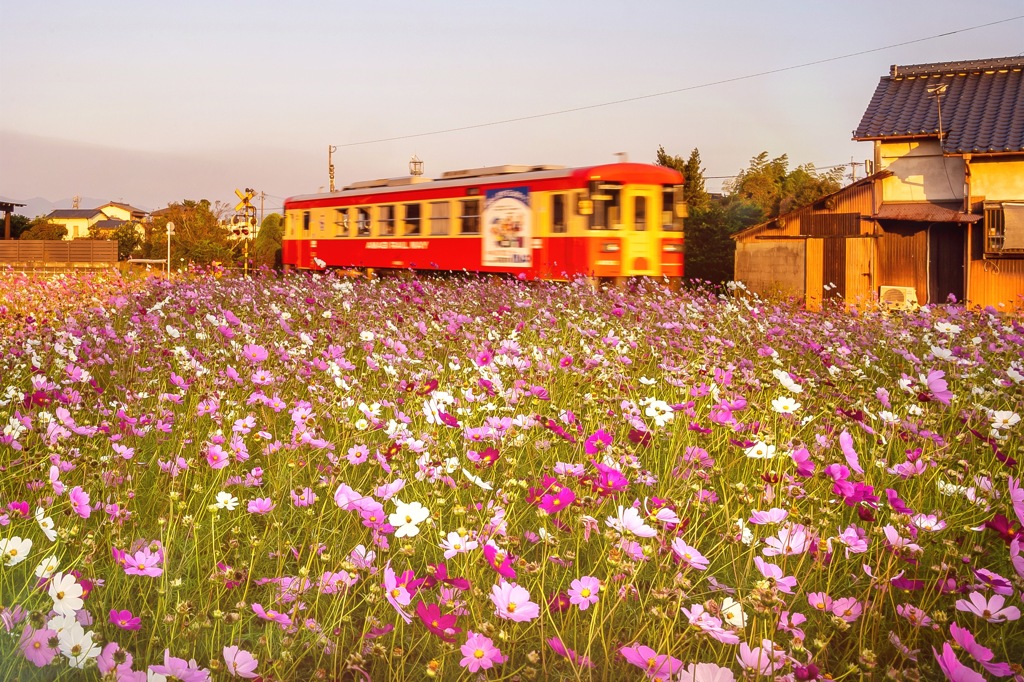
<point>921,173</point>
<point>772,268</point>
<point>997,179</point>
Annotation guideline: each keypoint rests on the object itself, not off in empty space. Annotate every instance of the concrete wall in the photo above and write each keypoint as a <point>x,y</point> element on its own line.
<point>921,173</point>
<point>771,267</point>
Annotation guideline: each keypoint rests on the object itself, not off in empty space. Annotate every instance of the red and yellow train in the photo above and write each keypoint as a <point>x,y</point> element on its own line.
<point>543,222</point>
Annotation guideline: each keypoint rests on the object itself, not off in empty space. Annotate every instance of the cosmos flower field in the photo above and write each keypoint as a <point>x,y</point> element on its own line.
<point>322,478</point>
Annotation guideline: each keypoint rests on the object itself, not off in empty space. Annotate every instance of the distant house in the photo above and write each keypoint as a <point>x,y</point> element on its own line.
<point>106,218</point>
<point>76,220</point>
<point>942,216</point>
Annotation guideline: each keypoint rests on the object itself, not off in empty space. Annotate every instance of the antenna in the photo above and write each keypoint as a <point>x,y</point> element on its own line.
<point>75,201</point>
<point>938,91</point>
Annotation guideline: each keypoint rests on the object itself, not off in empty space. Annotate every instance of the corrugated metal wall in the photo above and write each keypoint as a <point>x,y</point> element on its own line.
<point>997,281</point>
<point>903,258</point>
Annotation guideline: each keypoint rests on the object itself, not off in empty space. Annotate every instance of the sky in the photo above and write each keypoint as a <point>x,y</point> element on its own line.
<point>155,102</point>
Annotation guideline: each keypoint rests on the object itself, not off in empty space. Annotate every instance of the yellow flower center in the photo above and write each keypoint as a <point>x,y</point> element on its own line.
<point>584,593</point>
<point>478,653</point>
<point>511,607</point>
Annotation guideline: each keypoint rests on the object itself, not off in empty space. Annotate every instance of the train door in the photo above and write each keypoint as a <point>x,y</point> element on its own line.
<point>640,237</point>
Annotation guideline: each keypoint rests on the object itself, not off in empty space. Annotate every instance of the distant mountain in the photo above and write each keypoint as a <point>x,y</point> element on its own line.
<point>37,206</point>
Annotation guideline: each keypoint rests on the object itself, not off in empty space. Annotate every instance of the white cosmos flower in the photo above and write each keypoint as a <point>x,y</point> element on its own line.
<point>660,412</point>
<point>367,336</point>
<point>941,353</point>
<point>14,550</point>
<point>77,646</point>
<point>948,328</point>
<point>47,566</point>
<point>407,518</point>
<point>1003,419</point>
<point>66,594</point>
<point>787,381</point>
<point>46,523</point>
<point>476,479</point>
<point>732,612</point>
<point>226,500</point>
<point>785,405</point>
<point>760,450</point>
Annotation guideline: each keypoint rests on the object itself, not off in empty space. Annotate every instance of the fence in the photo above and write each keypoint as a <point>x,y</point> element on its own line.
<point>58,254</point>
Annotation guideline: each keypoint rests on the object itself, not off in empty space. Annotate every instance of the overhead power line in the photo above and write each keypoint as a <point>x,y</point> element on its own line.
<point>688,88</point>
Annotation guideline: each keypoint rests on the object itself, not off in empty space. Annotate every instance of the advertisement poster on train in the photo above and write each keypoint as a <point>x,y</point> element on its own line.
<point>507,228</point>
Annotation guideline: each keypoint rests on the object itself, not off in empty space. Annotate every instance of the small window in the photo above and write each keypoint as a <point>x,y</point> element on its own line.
<point>363,221</point>
<point>671,219</point>
<point>386,221</point>
<point>1004,229</point>
<point>470,216</point>
<point>640,214</point>
<point>412,219</point>
<point>559,225</point>
<point>605,198</point>
<point>439,217</point>
<point>341,222</point>
<point>305,221</point>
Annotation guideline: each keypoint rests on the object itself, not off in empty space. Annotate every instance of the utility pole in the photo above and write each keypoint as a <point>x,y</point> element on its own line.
<point>330,163</point>
<point>853,169</point>
<point>263,195</point>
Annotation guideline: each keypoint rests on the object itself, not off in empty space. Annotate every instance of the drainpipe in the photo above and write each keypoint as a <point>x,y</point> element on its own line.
<point>970,228</point>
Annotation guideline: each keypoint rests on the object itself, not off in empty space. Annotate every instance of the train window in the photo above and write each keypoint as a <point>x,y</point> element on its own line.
<point>412,219</point>
<point>363,222</point>
<point>305,221</point>
<point>640,213</point>
<point>470,216</point>
<point>559,225</point>
<point>671,218</point>
<point>386,221</point>
<point>439,217</point>
<point>341,222</point>
<point>605,197</point>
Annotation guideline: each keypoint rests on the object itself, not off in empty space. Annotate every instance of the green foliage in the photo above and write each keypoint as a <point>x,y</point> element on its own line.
<point>198,237</point>
<point>770,186</point>
<point>266,248</point>
<point>43,229</point>
<point>695,194</point>
<point>127,236</point>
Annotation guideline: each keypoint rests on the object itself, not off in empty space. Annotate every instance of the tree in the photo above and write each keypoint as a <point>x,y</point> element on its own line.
<point>694,193</point>
<point>41,228</point>
<point>126,235</point>
<point>266,248</point>
<point>198,236</point>
<point>774,189</point>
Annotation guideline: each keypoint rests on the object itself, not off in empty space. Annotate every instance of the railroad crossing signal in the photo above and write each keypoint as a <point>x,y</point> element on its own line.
<point>245,197</point>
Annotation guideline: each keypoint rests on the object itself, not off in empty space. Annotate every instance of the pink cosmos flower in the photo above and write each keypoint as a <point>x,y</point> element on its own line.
<point>144,562</point>
<point>784,583</point>
<point>846,444</point>
<point>180,669</point>
<point>254,353</point>
<point>656,665</point>
<point>764,659</point>
<point>915,615</point>
<point>562,650</point>
<point>953,669</point>
<point>304,497</point>
<point>558,499</point>
<point>272,615</point>
<point>125,620</point>
<point>512,602</point>
<point>791,539</point>
<point>991,610</point>
<point>847,609</point>
<point>397,592</point>
<point>981,654</point>
<point>357,454</point>
<point>240,663</point>
<point>261,505</point>
<point>584,592</point>
<point>773,515</point>
<point>35,646</point>
<point>80,502</point>
<point>706,672</point>
<point>689,557</point>
<point>217,457</point>
<point>819,601</point>
<point>1017,498</point>
<point>107,661</point>
<point>479,653</point>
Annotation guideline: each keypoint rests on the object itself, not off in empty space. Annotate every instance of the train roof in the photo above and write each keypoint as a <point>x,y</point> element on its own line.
<point>502,176</point>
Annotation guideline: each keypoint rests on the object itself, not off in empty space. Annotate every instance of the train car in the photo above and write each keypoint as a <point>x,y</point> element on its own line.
<point>539,222</point>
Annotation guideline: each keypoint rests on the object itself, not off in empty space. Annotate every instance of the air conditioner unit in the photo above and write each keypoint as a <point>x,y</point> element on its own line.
<point>904,298</point>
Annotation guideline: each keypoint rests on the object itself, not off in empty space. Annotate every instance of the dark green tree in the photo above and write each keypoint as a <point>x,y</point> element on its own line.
<point>41,228</point>
<point>693,176</point>
<point>266,248</point>
<point>19,224</point>
<point>128,237</point>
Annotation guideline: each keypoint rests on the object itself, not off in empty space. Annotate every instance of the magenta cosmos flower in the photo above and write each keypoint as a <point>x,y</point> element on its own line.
<point>240,662</point>
<point>125,620</point>
<point>584,592</point>
<point>479,653</point>
<point>512,602</point>
<point>271,615</point>
<point>80,502</point>
<point>35,645</point>
<point>562,650</point>
<point>688,556</point>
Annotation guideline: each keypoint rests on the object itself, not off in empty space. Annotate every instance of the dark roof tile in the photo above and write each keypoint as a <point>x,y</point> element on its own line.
<point>982,105</point>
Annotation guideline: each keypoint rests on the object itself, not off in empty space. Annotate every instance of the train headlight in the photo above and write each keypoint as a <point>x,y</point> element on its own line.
<point>609,247</point>
<point>673,248</point>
